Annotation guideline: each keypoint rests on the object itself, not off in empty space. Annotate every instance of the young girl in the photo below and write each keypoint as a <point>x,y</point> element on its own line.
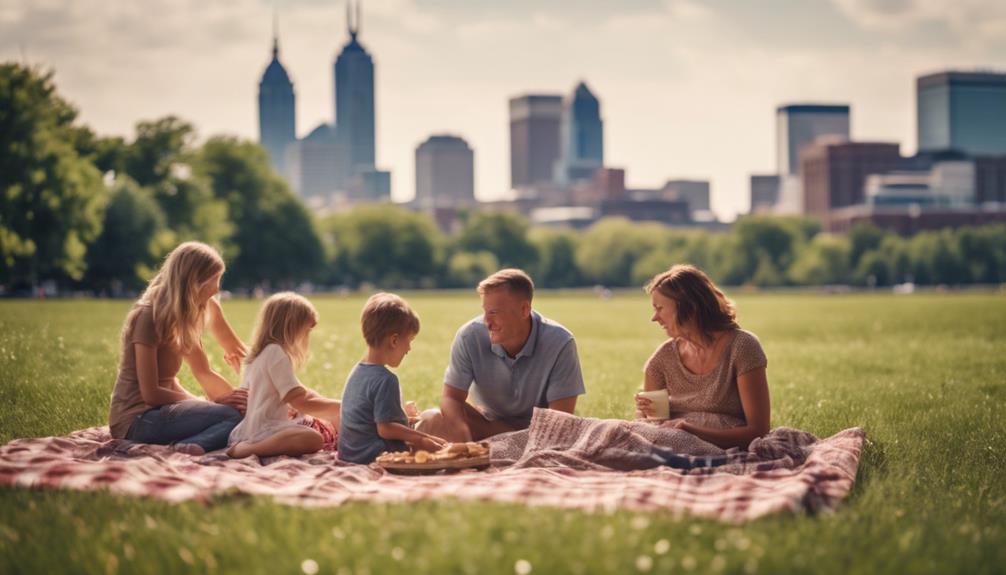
<point>280,345</point>
<point>164,328</point>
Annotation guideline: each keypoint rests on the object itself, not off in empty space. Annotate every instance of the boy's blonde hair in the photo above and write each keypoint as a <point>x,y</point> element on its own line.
<point>385,314</point>
<point>178,317</point>
<point>515,280</point>
<point>284,320</point>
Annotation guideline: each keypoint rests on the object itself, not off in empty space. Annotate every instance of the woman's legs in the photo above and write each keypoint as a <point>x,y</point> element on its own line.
<point>294,441</point>
<point>191,421</point>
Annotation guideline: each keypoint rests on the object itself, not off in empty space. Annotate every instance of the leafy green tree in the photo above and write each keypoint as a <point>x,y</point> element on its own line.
<point>824,261</point>
<point>467,269</point>
<point>51,199</point>
<point>983,249</point>
<point>610,248</point>
<point>386,245</point>
<point>161,159</point>
<point>505,235</point>
<point>132,240</point>
<point>275,242</point>
<point>557,257</point>
<point>863,237</point>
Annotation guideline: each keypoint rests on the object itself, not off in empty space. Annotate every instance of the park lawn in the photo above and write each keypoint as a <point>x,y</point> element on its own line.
<point>924,375</point>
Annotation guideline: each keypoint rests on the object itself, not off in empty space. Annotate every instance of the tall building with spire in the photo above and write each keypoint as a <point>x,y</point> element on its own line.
<point>354,100</point>
<point>277,116</point>
<point>582,133</point>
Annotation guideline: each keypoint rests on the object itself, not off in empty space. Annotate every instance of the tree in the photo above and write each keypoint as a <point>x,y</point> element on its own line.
<point>467,269</point>
<point>51,199</point>
<point>863,237</point>
<point>160,159</point>
<point>504,235</point>
<point>556,257</point>
<point>385,245</point>
<point>275,242</point>
<point>132,240</point>
<point>610,248</point>
<point>822,262</point>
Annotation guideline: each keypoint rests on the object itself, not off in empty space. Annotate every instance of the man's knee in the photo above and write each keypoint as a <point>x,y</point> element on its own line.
<point>431,421</point>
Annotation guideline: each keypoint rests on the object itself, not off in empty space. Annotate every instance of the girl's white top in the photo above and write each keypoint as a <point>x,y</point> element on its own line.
<point>268,378</point>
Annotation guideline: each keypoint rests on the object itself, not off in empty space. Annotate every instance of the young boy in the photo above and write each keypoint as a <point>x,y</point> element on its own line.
<point>373,420</point>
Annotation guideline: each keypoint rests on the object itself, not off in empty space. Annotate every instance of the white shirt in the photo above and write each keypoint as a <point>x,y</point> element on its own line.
<point>268,379</point>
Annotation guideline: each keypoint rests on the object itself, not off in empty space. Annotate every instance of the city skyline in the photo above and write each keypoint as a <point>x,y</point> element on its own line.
<point>689,89</point>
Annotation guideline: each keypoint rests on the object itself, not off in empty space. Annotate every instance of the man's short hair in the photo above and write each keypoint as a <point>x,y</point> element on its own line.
<point>515,280</point>
<point>385,314</point>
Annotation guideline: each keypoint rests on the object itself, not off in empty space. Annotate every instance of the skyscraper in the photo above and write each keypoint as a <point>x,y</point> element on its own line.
<point>800,124</point>
<point>277,117</point>
<point>534,138</point>
<point>445,172</point>
<point>965,111</point>
<point>582,132</point>
<point>834,174</point>
<point>354,101</point>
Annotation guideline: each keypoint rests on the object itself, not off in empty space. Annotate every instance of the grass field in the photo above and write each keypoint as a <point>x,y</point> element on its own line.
<point>925,375</point>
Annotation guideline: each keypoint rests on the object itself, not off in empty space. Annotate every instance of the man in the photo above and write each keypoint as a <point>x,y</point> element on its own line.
<point>512,360</point>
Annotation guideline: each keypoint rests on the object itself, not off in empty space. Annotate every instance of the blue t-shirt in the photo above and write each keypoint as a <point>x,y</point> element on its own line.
<point>372,396</point>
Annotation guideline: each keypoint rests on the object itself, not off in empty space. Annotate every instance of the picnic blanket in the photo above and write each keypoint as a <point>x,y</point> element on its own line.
<point>560,461</point>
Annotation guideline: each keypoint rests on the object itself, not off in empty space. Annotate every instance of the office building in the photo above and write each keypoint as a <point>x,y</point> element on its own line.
<point>964,111</point>
<point>535,121</point>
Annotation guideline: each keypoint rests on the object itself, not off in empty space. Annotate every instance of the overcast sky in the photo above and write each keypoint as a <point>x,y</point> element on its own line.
<point>688,88</point>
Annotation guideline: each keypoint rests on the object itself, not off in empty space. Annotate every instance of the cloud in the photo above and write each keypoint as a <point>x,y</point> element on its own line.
<point>978,22</point>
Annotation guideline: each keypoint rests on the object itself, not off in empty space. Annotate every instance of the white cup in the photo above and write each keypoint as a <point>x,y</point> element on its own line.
<point>659,403</point>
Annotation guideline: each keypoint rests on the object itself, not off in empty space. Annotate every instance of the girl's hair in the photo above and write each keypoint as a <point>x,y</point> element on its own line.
<point>178,316</point>
<point>283,320</point>
<point>696,297</point>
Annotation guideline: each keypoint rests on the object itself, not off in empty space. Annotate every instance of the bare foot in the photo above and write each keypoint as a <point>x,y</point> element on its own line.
<point>188,449</point>
<point>239,450</point>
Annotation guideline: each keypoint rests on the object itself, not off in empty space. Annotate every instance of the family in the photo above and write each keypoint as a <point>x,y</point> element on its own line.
<point>503,364</point>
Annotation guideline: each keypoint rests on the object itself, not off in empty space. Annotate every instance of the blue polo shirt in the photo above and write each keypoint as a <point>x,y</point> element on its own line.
<point>546,369</point>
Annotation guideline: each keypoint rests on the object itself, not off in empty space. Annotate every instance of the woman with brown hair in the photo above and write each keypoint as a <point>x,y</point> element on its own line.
<point>713,371</point>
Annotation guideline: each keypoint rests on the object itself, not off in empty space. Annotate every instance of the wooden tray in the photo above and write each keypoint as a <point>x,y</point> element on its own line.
<point>448,465</point>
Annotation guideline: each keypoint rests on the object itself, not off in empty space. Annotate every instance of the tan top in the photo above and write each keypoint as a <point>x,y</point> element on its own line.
<point>711,398</point>
<point>127,402</point>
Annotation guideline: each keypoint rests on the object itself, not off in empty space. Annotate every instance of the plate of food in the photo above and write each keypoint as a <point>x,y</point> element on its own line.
<point>453,456</point>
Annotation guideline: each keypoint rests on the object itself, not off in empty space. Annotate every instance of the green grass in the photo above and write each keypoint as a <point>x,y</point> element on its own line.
<point>924,375</point>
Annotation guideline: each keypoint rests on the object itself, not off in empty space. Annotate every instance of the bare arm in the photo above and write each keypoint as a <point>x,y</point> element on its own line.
<point>753,389</point>
<point>566,404</point>
<point>308,401</point>
<point>234,349</point>
<point>393,430</point>
<point>146,371</point>
<point>452,406</point>
<point>217,389</point>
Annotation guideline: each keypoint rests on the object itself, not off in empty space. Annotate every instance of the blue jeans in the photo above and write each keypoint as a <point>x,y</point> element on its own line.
<point>195,421</point>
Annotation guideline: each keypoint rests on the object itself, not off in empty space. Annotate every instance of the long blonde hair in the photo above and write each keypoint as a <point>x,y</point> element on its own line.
<point>284,320</point>
<point>178,316</point>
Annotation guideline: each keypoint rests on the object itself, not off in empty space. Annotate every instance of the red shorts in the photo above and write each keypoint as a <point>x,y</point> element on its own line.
<point>330,437</point>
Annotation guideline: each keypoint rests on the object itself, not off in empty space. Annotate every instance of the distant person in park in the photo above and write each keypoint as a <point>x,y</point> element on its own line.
<point>713,371</point>
<point>163,328</point>
<point>279,346</point>
<point>511,359</point>
<point>373,418</point>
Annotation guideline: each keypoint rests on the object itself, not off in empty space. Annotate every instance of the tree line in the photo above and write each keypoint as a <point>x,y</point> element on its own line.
<point>98,213</point>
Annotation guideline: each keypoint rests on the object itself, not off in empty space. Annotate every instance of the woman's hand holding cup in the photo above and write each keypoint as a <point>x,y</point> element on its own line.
<point>653,405</point>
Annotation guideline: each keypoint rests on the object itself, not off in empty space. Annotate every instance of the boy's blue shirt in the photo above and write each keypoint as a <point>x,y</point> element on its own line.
<point>372,395</point>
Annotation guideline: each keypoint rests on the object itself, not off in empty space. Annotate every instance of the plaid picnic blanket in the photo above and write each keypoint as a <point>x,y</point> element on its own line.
<point>560,461</point>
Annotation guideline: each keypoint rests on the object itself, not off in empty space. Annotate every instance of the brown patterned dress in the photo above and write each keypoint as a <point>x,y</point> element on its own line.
<point>711,399</point>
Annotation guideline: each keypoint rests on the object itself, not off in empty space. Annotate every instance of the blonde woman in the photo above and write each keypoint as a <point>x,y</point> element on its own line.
<point>280,346</point>
<point>163,329</point>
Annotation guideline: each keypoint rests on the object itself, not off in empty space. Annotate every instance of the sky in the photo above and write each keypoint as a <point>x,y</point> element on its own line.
<point>688,88</point>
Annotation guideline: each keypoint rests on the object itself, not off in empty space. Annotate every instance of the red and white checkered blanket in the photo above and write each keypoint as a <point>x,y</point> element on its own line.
<point>561,461</point>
